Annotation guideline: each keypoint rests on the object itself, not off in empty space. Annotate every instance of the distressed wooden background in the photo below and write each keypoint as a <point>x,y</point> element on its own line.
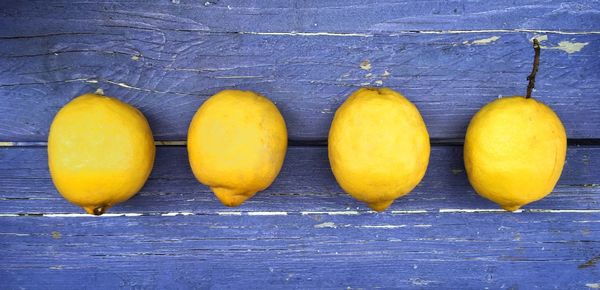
<point>167,57</point>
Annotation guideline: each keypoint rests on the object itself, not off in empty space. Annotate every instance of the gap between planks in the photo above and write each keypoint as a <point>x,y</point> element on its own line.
<point>291,143</point>
<point>303,213</point>
<point>351,34</point>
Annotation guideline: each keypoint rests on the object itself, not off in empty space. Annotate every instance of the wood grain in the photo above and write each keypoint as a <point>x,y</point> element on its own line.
<point>167,63</point>
<point>465,250</point>
<point>330,16</point>
<point>449,57</point>
<point>305,184</point>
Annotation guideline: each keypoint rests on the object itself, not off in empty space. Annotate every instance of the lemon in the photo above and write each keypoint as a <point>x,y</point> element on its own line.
<point>378,146</point>
<point>514,151</point>
<point>100,152</point>
<point>237,142</point>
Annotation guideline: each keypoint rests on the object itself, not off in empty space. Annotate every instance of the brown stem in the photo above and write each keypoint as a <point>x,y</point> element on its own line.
<point>536,64</point>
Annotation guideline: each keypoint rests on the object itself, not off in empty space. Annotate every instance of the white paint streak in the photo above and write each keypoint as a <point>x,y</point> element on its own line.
<point>408,211</point>
<point>238,77</point>
<point>422,226</point>
<point>342,34</point>
<point>69,215</point>
<point>382,226</point>
<point>294,33</point>
<point>8,215</point>
<point>471,210</point>
<point>501,31</point>
<point>564,210</point>
<point>229,213</point>
<point>593,285</point>
<point>7,144</point>
<point>482,41</point>
<point>325,225</point>
<point>266,213</point>
<point>185,213</point>
<point>123,85</point>
<point>348,212</point>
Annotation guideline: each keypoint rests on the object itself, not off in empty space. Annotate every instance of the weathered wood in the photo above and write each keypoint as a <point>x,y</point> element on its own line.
<point>331,16</point>
<point>168,62</point>
<point>305,184</point>
<point>449,58</point>
<point>460,250</point>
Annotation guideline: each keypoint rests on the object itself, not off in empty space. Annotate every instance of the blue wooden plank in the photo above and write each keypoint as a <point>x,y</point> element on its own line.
<point>466,250</point>
<point>305,184</point>
<point>331,16</point>
<point>168,75</point>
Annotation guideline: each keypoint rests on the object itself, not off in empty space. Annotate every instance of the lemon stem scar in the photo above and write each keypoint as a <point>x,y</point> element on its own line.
<point>99,210</point>
<point>536,64</point>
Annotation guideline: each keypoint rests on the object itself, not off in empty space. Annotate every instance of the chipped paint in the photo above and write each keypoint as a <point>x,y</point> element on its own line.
<point>294,33</point>
<point>471,210</point>
<point>382,226</point>
<point>569,47</point>
<point>185,213</point>
<point>70,215</point>
<point>566,46</point>
<point>135,57</point>
<point>379,82</point>
<point>325,225</point>
<point>408,211</point>
<point>540,38</point>
<point>386,73</point>
<point>348,212</point>
<point>593,285</point>
<point>99,91</point>
<point>229,213</point>
<point>483,41</point>
<point>266,213</point>
<point>365,65</point>
<point>564,210</point>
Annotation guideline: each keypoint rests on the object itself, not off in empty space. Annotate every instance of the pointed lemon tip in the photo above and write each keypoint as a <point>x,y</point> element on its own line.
<point>380,206</point>
<point>510,207</point>
<point>231,197</point>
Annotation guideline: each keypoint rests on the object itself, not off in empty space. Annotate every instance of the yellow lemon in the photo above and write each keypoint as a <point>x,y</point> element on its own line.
<point>514,151</point>
<point>378,146</point>
<point>236,144</point>
<point>100,152</point>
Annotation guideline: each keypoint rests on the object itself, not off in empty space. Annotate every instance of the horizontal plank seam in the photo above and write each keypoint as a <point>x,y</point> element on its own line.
<point>402,32</point>
<point>303,213</point>
<point>298,143</point>
<point>334,34</point>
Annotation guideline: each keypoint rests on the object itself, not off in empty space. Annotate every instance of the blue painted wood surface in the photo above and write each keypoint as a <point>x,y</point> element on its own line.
<point>167,59</point>
<point>449,57</point>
